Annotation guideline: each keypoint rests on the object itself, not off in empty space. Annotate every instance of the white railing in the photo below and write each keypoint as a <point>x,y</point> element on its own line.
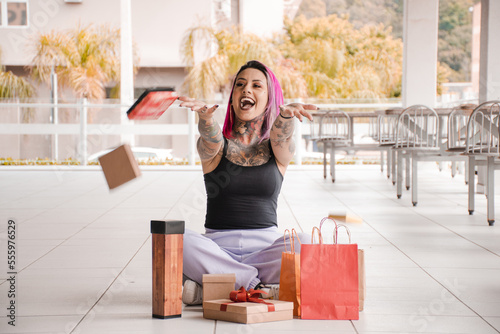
<point>127,129</point>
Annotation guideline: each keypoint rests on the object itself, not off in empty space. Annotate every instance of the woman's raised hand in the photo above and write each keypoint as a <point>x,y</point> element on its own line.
<point>200,107</point>
<point>298,110</point>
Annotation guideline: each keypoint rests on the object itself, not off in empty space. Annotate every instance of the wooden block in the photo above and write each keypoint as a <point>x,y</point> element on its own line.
<point>119,166</point>
<point>167,268</point>
<point>343,216</point>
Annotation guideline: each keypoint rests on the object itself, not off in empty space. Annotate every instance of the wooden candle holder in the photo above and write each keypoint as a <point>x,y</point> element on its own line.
<point>167,238</point>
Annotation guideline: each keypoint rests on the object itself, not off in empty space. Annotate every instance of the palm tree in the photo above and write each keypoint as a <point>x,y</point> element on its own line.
<point>85,59</point>
<point>233,49</point>
<point>14,86</point>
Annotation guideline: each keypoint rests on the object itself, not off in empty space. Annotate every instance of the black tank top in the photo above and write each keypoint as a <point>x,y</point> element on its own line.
<point>242,197</point>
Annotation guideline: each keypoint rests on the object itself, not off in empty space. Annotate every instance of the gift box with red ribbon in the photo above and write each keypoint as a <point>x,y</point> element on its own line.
<point>247,307</point>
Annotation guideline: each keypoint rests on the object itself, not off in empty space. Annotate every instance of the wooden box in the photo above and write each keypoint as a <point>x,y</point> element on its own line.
<point>119,166</point>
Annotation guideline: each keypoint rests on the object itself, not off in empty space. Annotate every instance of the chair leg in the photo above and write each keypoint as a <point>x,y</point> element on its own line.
<point>394,170</point>
<point>324,159</point>
<point>381,161</point>
<point>408,167</point>
<point>453,168</point>
<point>389,163</point>
<point>414,179</point>
<point>472,182</point>
<point>466,173</point>
<point>399,179</point>
<point>332,164</point>
<point>490,190</point>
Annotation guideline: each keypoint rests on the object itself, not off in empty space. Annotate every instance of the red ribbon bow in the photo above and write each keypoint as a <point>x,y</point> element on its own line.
<point>252,296</point>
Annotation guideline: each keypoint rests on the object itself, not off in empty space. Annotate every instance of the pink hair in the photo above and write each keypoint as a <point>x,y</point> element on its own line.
<point>275,99</point>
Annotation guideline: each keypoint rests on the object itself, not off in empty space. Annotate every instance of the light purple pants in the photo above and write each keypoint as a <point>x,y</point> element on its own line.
<point>253,255</point>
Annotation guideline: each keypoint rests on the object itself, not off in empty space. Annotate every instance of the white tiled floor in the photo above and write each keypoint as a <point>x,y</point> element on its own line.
<point>84,253</point>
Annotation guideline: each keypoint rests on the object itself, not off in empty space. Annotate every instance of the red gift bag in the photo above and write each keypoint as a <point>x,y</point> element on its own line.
<point>329,279</point>
<point>290,274</point>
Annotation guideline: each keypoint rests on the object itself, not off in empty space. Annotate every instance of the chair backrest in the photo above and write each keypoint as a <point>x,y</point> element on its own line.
<point>335,125</point>
<point>457,127</point>
<point>314,125</point>
<point>386,127</point>
<point>418,128</point>
<point>482,129</point>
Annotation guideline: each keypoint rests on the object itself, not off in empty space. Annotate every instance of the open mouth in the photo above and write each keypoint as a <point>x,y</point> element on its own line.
<point>246,103</point>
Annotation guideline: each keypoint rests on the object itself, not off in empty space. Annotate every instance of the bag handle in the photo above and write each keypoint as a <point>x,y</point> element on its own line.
<point>335,229</point>
<point>335,236</point>
<point>293,240</point>
<point>320,238</point>
<point>284,239</point>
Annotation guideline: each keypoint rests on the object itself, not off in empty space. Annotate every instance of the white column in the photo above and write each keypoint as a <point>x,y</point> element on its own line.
<point>489,66</point>
<point>55,113</point>
<point>83,132</point>
<point>420,38</point>
<point>261,17</point>
<point>126,64</point>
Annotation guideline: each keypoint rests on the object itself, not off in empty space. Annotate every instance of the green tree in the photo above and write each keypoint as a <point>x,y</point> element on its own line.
<point>455,27</point>
<point>320,58</point>
<point>360,63</point>
<point>86,59</point>
<point>455,37</point>
<point>232,49</point>
<point>13,86</point>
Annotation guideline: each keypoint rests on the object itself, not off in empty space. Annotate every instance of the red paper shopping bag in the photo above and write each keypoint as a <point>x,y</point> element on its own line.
<point>329,280</point>
<point>290,274</point>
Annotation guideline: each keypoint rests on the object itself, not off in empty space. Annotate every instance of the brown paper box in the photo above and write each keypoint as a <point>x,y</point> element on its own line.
<point>247,313</point>
<point>119,166</point>
<point>218,286</point>
<point>361,278</point>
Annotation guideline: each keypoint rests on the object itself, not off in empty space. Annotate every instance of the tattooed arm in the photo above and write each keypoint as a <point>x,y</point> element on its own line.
<point>210,141</point>
<point>282,131</point>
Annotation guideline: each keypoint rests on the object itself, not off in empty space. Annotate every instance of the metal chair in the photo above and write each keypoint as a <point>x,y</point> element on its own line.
<point>387,125</point>
<point>482,149</point>
<point>333,132</point>
<point>417,135</point>
<point>457,134</point>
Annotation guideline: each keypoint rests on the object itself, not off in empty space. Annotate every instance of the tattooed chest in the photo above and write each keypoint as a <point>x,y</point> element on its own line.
<point>253,155</point>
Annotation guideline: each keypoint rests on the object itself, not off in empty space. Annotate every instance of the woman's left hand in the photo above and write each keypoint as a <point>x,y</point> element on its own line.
<point>298,110</point>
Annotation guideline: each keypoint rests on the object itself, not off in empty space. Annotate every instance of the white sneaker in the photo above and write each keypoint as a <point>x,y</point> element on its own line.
<point>272,290</point>
<point>192,293</point>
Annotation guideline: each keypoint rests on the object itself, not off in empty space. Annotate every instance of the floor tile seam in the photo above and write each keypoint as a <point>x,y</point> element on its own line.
<point>48,209</point>
<point>125,267</point>
<point>413,209</point>
<point>92,222</point>
<point>419,266</point>
<point>293,213</point>
<point>39,191</point>
<point>109,286</point>
<point>457,233</point>
<point>179,198</point>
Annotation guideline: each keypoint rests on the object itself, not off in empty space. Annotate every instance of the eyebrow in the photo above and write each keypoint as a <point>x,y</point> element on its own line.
<point>255,80</point>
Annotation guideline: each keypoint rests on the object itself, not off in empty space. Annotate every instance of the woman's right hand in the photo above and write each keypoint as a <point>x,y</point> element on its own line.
<point>200,107</point>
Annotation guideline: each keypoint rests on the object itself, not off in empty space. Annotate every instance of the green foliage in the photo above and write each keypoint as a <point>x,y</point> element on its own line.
<point>233,49</point>
<point>85,59</point>
<point>455,26</point>
<point>13,86</point>
<point>455,37</point>
<point>322,57</point>
<point>359,63</point>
